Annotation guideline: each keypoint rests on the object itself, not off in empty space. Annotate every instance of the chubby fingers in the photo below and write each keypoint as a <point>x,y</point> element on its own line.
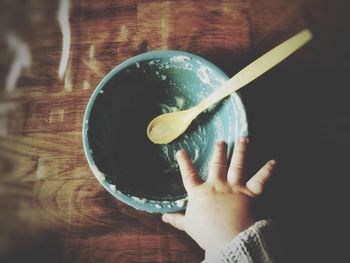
<point>189,174</point>
<point>177,220</point>
<point>256,184</point>
<point>236,170</point>
<point>218,164</point>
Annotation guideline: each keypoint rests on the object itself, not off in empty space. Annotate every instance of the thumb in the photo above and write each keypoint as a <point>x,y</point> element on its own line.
<point>257,182</point>
<point>177,220</point>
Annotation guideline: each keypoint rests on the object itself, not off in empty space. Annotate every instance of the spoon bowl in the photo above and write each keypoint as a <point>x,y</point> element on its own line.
<point>162,128</point>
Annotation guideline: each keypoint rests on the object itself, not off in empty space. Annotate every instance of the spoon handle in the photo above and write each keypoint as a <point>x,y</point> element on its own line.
<point>257,68</point>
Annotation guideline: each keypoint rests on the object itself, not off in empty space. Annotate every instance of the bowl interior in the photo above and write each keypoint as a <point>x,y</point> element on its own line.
<point>130,97</point>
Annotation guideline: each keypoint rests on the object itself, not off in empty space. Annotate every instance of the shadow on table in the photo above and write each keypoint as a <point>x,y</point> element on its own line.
<point>298,114</point>
<point>44,247</point>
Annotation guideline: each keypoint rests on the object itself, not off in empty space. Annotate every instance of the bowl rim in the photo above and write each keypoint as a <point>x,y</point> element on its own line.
<point>151,206</point>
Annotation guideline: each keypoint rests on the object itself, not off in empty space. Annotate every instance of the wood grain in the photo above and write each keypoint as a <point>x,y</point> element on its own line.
<point>51,206</point>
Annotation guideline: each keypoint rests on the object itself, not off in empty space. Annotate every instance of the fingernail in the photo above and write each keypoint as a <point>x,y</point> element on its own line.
<point>273,162</point>
<point>179,153</point>
<point>221,142</point>
<point>165,217</point>
<point>244,139</point>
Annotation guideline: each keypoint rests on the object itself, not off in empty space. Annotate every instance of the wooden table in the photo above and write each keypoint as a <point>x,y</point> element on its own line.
<point>52,209</point>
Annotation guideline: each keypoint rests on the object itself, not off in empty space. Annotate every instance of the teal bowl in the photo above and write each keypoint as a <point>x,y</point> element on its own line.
<point>126,163</point>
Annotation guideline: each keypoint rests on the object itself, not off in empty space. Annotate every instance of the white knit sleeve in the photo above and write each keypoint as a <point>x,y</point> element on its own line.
<point>248,246</point>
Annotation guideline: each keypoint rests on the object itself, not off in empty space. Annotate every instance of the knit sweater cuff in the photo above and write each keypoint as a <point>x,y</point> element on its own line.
<point>247,247</point>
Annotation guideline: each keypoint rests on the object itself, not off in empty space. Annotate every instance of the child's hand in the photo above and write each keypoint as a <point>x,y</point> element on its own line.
<point>221,207</point>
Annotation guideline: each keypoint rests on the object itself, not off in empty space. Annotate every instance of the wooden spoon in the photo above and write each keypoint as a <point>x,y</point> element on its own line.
<point>167,127</point>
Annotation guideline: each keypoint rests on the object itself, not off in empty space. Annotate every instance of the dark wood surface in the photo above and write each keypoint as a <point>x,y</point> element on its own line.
<point>52,209</point>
